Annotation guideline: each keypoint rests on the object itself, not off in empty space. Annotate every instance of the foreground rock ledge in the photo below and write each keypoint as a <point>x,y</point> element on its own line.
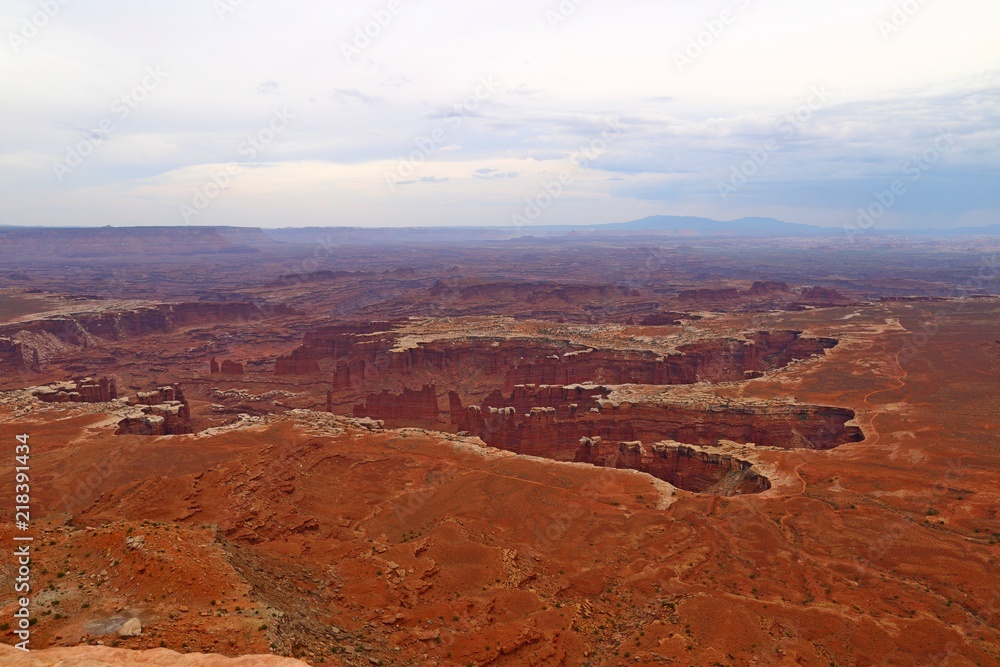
<point>98,656</point>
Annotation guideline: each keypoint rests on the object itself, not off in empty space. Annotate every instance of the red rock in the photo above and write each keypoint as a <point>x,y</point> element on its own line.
<point>709,296</point>
<point>163,411</point>
<point>821,296</point>
<point>361,358</point>
<point>11,354</point>
<point>103,656</point>
<point>412,407</point>
<point>231,368</point>
<point>761,288</point>
<point>79,390</point>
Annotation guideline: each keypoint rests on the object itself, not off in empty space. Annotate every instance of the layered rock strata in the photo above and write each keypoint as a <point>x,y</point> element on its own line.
<point>78,390</point>
<point>163,411</point>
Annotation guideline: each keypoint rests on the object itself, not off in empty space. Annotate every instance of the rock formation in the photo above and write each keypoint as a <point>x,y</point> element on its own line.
<point>762,288</point>
<point>411,407</point>
<point>709,296</point>
<point>555,432</point>
<point>163,411</point>
<point>231,368</point>
<point>79,390</point>
<point>11,354</point>
<point>693,470</point>
<point>103,656</point>
<point>369,356</point>
<point>822,297</point>
<point>130,628</point>
<point>120,324</point>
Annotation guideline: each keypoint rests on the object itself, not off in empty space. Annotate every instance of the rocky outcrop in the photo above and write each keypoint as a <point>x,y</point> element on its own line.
<point>163,411</point>
<point>528,292</point>
<point>411,407</point>
<point>822,297</point>
<point>335,342</point>
<point>103,656</point>
<point>79,390</point>
<point>358,359</point>
<point>664,319</point>
<point>765,288</point>
<point>557,435</point>
<point>231,368</point>
<point>568,401</point>
<point>703,472</point>
<point>771,291</point>
<point>709,296</point>
<point>19,349</point>
<point>684,466</point>
<point>131,628</point>
<point>12,356</point>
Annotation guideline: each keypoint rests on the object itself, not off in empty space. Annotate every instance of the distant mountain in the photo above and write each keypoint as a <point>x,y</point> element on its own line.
<point>707,226</point>
<point>990,230</point>
<point>87,242</point>
<point>748,227</point>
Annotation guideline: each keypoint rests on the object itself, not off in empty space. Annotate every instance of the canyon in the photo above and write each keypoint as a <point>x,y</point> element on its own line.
<point>579,450</point>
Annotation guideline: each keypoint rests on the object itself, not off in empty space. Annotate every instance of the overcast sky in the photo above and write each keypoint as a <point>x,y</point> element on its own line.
<point>490,112</point>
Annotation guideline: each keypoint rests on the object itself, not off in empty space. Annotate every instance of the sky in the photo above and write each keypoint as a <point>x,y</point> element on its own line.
<point>881,113</point>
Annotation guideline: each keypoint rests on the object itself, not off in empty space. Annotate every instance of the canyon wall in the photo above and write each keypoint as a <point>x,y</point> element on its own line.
<point>77,329</point>
<point>542,431</point>
<point>411,408</point>
<point>360,359</point>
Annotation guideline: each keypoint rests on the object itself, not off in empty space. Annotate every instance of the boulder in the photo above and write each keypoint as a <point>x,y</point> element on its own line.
<point>130,628</point>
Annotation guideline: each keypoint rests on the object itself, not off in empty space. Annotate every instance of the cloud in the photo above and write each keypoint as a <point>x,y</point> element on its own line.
<point>353,94</point>
<point>424,179</point>
<point>546,101</point>
<point>487,173</point>
<point>269,87</point>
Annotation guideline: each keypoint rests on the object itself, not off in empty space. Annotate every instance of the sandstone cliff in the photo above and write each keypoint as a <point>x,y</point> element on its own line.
<point>102,656</point>
<point>369,356</point>
<point>163,411</point>
<point>79,390</point>
<point>410,408</point>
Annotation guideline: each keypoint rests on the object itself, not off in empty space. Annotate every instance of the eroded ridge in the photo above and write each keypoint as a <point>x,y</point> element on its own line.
<point>569,423</point>
<point>685,467</point>
<point>367,356</point>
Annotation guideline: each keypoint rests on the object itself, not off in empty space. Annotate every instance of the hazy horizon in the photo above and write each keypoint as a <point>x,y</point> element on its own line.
<point>388,114</point>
